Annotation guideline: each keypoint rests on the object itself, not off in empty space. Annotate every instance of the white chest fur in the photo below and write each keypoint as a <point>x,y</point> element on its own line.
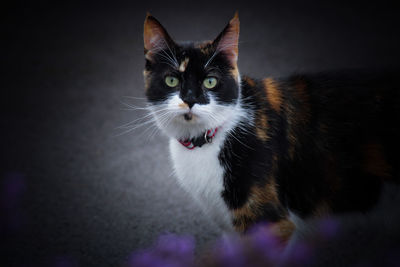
<point>201,175</point>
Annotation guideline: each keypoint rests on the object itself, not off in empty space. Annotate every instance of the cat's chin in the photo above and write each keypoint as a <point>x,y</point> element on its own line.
<point>182,128</point>
<point>187,125</point>
<point>182,124</point>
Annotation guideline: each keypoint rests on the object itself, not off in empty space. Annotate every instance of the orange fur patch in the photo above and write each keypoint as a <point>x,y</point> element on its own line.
<point>183,105</point>
<point>283,229</point>
<point>260,196</point>
<point>266,194</point>
<point>205,47</point>
<point>246,216</point>
<point>249,81</point>
<point>235,72</point>
<point>274,96</point>
<point>183,65</point>
<point>262,126</point>
<point>243,218</point>
<point>146,75</point>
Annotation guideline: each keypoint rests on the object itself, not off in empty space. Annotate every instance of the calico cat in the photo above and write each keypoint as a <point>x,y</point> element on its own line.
<point>273,150</point>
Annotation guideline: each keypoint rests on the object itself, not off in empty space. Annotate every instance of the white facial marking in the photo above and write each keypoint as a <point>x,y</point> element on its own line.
<point>184,64</point>
<point>199,170</point>
<point>169,117</point>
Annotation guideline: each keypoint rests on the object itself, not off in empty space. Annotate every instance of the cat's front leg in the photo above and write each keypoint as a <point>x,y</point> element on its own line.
<point>264,209</point>
<point>281,229</point>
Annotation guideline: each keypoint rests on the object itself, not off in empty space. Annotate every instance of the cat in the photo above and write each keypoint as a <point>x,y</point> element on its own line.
<point>276,150</point>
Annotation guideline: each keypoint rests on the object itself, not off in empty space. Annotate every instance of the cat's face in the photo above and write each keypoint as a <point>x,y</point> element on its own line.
<point>191,87</point>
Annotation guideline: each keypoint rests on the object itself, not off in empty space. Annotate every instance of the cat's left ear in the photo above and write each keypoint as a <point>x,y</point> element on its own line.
<point>155,36</point>
<point>227,41</point>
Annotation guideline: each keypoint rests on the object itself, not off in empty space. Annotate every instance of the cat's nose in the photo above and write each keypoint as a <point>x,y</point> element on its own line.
<point>190,103</point>
<point>189,98</point>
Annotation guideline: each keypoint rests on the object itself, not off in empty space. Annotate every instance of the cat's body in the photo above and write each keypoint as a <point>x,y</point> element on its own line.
<point>322,143</point>
<point>257,150</point>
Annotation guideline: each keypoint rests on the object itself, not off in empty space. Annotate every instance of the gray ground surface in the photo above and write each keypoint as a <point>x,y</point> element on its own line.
<point>76,192</point>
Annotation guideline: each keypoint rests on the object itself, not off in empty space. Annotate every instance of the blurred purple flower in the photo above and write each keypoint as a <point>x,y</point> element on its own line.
<point>182,246</point>
<point>169,251</point>
<point>145,259</point>
<point>229,252</point>
<point>301,254</point>
<point>263,241</point>
<point>259,247</point>
<point>328,228</point>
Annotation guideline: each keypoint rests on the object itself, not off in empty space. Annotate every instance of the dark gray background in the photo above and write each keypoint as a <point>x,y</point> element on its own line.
<point>73,191</point>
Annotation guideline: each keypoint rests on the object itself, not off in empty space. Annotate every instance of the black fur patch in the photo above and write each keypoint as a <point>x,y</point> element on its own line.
<point>191,89</point>
<point>319,138</point>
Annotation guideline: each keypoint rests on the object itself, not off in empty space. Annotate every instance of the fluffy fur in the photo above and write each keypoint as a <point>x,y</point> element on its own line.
<point>306,145</point>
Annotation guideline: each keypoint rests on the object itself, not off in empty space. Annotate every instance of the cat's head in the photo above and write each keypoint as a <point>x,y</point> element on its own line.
<point>191,87</point>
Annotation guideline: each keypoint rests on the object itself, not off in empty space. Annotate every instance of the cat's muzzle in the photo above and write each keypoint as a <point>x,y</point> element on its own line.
<point>188,116</point>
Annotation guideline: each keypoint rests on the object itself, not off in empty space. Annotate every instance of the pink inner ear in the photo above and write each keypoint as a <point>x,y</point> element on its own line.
<point>154,35</point>
<point>228,44</point>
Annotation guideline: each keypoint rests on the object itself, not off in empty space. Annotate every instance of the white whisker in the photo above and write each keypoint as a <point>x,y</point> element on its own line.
<point>134,97</point>
<point>126,125</point>
<point>135,127</point>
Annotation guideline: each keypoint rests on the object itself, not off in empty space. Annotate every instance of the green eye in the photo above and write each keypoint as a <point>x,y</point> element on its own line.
<point>210,82</point>
<point>171,81</point>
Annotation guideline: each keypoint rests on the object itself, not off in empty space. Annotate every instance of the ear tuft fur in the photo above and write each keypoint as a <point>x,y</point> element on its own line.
<point>155,36</point>
<point>228,40</point>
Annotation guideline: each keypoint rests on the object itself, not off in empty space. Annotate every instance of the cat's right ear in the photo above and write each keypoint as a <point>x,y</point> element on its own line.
<point>155,37</point>
<point>228,40</point>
